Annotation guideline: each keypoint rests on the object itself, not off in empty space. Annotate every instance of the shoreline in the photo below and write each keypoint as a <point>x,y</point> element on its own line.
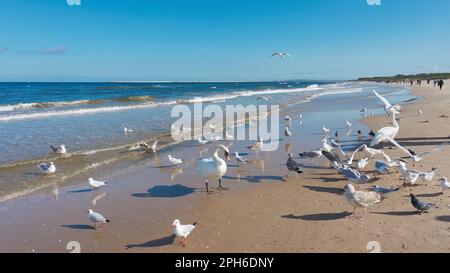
<point>305,214</point>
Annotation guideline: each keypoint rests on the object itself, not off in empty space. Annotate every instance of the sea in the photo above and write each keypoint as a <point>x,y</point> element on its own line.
<point>89,119</point>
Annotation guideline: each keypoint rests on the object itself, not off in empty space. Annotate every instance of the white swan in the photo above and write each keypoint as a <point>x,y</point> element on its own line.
<point>386,134</point>
<point>213,168</point>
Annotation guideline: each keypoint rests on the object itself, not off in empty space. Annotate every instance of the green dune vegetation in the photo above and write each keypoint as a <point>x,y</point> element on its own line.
<point>400,77</point>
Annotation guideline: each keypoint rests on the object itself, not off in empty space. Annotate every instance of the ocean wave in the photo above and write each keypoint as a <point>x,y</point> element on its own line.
<point>24,106</point>
<point>143,99</point>
<point>280,91</point>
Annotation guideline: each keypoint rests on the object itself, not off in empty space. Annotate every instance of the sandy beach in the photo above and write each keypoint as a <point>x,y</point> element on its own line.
<point>261,212</point>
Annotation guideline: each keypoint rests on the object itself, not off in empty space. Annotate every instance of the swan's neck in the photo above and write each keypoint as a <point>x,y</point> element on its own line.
<point>394,121</point>
<point>215,155</point>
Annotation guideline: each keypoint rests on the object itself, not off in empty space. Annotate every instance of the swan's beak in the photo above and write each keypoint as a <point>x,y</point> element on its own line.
<point>227,156</point>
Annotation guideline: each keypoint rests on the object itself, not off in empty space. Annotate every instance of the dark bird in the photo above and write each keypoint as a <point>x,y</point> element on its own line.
<point>420,205</point>
<point>372,134</point>
<point>292,165</point>
<point>413,153</point>
<point>332,157</point>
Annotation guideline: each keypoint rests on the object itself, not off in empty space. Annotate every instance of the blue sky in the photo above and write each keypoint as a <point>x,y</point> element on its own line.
<point>220,39</point>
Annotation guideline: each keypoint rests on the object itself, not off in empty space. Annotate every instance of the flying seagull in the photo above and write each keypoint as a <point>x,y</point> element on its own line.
<point>388,107</point>
<point>282,55</point>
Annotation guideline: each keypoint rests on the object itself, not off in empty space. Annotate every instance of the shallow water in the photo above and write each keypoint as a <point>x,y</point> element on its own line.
<point>94,135</point>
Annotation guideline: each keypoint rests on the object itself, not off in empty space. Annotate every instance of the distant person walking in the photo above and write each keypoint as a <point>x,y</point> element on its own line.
<point>441,84</point>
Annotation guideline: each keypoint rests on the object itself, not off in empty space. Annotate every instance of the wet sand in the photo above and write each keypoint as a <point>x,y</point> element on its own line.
<point>262,211</point>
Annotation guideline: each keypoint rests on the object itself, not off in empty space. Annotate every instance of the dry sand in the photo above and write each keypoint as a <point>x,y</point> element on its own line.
<point>266,214</point>
<point>308,214</point>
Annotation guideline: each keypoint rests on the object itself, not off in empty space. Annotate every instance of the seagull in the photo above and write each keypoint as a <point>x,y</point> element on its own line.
<point>388,107</point>
<point>257,145</point>
<point>202,141</point>
<point>182,231</point>
<point>127,130</point>
<point>154,146</point>
<point>292,165</point>
<point>382,167</point>
<point>336,146</point>
<point>420,205</point>
<point>325,146</point>
<point>282,55</point>
<point>287,132</point>
<point>47,168</point>
<point>411,176</point>
<point>97,218</point>
<point>311,154</point>
<point>333,158</point>
<point>174,161</point>
<point>300,116</point>
<point>418,158</point>
<point>287,118</point>
<point>59,150</point>
<point>420,112</point>
<point>265,98</point>
<point>96,184</point>
<point>360,136</point>
<point>325,130</point>
<point>354,175</point>
<point>239,158</point>
<point>349,124</point>
<point>362,164</point>
<point>384,191</point>
<point>372,152</point>
<point>360,198</point>
<point>445,185</point>
<point>141,144</point>
<point>363,111</point>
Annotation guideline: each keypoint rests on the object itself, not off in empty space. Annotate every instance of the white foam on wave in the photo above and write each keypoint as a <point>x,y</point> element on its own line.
<point>279,91</point>
<point>84,111</point>
<point>24,106</point>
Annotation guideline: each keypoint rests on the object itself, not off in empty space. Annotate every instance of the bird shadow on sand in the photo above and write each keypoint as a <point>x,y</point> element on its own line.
<point>164,167</point>
<point>444,218</point>
<point>396,213</point>
<point>80,227</point>
<point>315,167</point>
<point>337,191</point>
<point>161,191</point>
<point>329,179</point>
<point>164,241</point>
<point>429,195</point>
<point>319,217</point>
<point>79,191</point>
<point>258,178</point>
